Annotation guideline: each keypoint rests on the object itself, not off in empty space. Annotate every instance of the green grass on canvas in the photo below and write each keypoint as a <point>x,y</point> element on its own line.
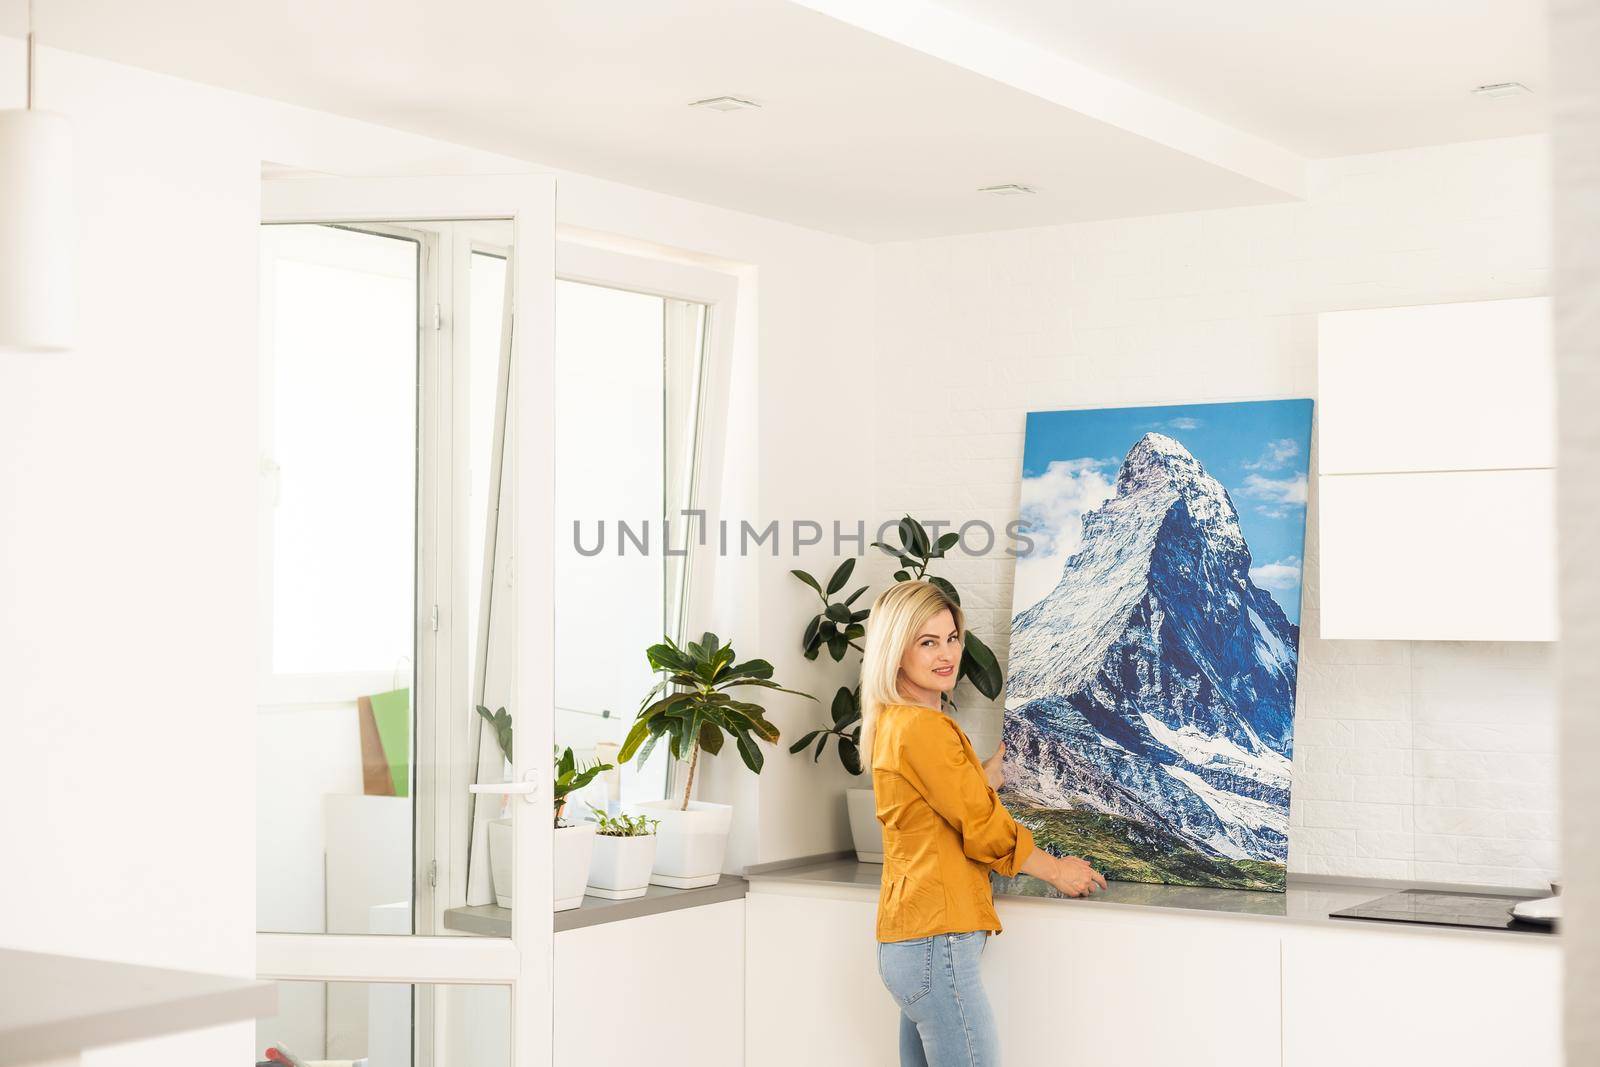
<point>1129,851</point>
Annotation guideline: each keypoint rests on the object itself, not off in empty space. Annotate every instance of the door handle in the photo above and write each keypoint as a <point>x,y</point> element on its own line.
<point>528,789</point>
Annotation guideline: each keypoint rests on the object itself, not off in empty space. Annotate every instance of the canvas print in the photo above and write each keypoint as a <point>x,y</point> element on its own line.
<point>1149,722</point>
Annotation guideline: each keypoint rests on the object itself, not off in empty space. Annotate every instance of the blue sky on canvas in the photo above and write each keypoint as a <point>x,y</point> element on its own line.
<point>1256,449</point>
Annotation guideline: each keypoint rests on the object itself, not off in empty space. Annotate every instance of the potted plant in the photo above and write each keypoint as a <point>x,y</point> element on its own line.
<point>696,712</point>
<point>838,627</point>
<point>624,852</point>
<point>572,843</point>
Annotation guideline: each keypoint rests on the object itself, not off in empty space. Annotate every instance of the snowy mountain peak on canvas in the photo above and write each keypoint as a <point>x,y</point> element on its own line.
<point>1058,644</point>
<point>1156,681</point>
<point>1159,464</point>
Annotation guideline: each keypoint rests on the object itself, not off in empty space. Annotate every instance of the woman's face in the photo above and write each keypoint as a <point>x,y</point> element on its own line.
<point>933,657</point>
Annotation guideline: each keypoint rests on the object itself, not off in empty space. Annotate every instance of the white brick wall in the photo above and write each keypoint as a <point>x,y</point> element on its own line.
<point>1426,761</point>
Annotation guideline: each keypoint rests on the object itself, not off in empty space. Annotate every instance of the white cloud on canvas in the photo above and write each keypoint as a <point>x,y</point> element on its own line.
<point>1282,576</point>
<point>1275,455</point>
<point>1277,495</point>
<point>1053,506</point>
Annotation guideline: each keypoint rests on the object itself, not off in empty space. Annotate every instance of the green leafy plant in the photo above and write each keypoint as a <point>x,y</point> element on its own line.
<point>501,722</point>
<point>697,710</point>
<point>570,778</point>
<point>623,824</point>
<point>840,625</point>
<point>846,730</point>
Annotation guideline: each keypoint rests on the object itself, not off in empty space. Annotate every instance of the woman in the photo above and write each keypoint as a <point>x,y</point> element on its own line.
<point>944,830</point>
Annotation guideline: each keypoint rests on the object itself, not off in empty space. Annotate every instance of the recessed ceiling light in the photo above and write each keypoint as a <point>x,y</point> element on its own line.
<point>1499,90</point>
<point>725,103</point>
<point>1006,190</point>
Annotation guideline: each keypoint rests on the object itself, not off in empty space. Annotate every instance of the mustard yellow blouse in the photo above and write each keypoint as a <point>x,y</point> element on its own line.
<point>944,829</point>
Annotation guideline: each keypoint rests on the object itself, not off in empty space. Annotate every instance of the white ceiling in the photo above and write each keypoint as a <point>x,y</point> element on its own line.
<point>868,130</point>
<point>1320,77</point>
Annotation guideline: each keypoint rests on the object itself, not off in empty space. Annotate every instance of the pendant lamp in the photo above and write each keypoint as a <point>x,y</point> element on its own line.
<point>37,226</point>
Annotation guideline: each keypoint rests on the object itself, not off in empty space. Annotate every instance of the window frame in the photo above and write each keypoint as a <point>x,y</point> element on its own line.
<point>602,260</point>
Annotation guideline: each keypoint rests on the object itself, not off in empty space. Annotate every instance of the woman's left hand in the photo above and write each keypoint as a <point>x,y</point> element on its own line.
<point>992,769</point>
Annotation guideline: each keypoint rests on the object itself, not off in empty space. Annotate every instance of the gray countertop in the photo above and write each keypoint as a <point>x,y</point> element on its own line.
<point>1305,900</point>
<point>496,921</point>
<point>55,1007</point>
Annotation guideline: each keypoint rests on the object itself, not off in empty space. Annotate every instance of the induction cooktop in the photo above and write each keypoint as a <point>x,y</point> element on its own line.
<point>1481,910</point>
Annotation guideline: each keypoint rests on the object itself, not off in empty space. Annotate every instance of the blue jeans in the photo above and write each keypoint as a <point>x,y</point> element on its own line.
<point>945,1019</point>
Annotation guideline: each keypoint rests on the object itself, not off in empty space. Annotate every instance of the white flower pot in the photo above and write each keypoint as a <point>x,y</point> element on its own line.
<point>574,846</point>
<point>689,844</point>
<point>864,825</point>
<point>500,860</point>
<point>620,869</point>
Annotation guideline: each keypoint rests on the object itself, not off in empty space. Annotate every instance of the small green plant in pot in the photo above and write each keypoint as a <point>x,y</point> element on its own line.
<point>574,844</point>
<point>696,706</point>
<point>624,853</point>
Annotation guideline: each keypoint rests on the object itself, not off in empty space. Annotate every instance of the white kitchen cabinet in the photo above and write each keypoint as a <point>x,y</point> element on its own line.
<point>1455,387</point>
<point>813,993</point>
<point>666,990</point>
<point>1148,987</point>
<point>1074,983</point>
<point>1382,998</point>
<point>1436,456</point>
<point>1452,556</point>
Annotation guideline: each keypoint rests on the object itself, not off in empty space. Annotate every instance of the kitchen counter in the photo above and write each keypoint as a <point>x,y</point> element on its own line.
<point>1306,900</point>
<point>52,1008</point>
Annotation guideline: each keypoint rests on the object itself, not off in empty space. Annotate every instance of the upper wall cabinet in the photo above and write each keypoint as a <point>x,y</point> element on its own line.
<point>1436,457</point>
<point>1444,387</point>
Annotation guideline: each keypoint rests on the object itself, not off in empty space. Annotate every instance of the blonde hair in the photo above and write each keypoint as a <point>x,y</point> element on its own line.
<point>897,616</point>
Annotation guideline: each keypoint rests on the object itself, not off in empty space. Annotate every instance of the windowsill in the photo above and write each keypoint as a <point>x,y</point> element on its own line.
<point>495,921</point>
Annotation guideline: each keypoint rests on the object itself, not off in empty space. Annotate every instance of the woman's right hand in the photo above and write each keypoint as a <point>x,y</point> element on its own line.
<point>1074,877</point>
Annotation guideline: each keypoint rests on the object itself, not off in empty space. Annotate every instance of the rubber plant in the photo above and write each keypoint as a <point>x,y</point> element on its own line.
<point>839,625</point>
<point>693,708</point>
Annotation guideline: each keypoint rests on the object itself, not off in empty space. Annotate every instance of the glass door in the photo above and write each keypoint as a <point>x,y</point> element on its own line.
<point>406,593</point>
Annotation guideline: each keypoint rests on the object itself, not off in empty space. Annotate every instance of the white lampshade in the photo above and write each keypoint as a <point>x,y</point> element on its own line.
<point>37,231</point>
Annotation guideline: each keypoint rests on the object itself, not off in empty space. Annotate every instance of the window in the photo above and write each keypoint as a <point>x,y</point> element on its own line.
<point>385,376</point>
<point>629,371</point>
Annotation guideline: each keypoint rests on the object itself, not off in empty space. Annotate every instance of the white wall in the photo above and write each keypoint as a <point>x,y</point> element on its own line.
<point>1425,761</point>
<point>127,601</point>
<point>127,558</point>
<point>1575,38</point>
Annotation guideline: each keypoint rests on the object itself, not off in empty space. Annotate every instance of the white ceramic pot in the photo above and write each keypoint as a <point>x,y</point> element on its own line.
<point>574,847</point>
<point>500,860</point>
<point>689,844</point>
<point>620,869</point>
<point>864,825</point>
